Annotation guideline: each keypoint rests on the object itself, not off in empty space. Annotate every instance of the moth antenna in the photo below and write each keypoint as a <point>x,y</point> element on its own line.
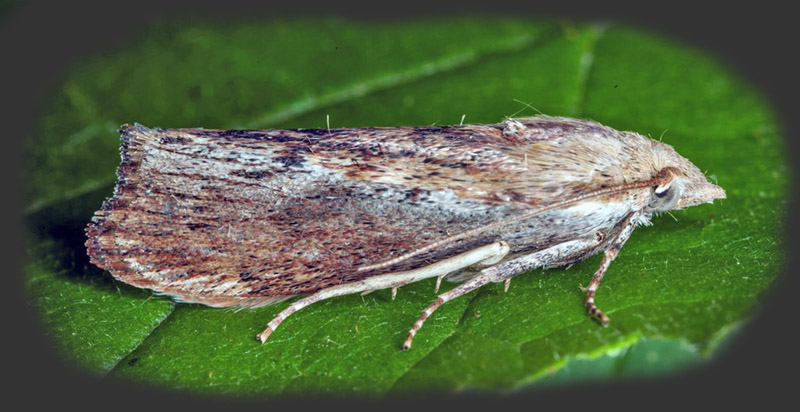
<point>460,290</point>
<point>463,116</point>
<point>438,284</point>
<point>506,285</point>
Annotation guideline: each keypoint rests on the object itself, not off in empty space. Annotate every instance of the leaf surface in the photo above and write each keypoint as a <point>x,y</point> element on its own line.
<point>674,290</point>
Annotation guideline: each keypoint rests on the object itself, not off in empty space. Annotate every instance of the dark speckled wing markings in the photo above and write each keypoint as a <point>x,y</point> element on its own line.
<point>247,218</point>
<point>228,217</point>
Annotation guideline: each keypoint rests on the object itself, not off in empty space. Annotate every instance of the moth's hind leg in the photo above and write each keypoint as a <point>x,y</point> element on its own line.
<point>391,280</point>
<point>282,315</point>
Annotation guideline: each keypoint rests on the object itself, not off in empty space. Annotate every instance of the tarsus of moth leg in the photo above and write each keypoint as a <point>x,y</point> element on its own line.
<point>610,253</point>
<point>462,289</point>
<point>590,292</point>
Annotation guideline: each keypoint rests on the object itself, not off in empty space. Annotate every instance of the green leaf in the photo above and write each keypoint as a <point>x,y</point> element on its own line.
<point>92,319</point>
<point>673,293</point>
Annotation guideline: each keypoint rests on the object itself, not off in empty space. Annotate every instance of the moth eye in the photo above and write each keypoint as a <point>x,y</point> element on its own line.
<point>666,197</point>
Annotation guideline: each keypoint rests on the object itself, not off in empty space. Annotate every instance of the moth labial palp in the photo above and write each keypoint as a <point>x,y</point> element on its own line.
<point>248,218</point>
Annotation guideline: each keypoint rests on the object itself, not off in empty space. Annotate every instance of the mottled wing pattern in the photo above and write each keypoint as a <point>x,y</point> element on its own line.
<point>250,217</point>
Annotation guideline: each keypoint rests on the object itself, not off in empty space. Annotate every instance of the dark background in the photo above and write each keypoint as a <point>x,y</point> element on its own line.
<point>39,40</point>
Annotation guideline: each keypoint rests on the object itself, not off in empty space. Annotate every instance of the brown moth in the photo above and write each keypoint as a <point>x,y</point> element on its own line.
<point>247,218</point>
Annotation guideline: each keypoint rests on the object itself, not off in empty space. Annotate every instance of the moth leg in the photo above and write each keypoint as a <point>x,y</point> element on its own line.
<point>300,304</point>
<point>491,254</point>
<point>561,253</point>
<point>438,284</point>
<point>390,280</point>
<point>484,263</point>
<point>610,253</point>
<point>461,289</point>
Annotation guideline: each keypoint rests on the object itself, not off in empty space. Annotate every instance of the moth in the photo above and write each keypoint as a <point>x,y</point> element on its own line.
<point>247,218</point>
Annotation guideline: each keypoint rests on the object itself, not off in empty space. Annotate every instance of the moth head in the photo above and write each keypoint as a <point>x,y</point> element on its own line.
<point>681,184</point>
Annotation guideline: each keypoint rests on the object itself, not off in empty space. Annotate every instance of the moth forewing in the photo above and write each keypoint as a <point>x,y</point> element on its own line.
<point>249,218</point>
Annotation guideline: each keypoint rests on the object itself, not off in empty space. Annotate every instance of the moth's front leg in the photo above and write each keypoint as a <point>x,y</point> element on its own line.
<point>610,253</point>
<point>559,254</point>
